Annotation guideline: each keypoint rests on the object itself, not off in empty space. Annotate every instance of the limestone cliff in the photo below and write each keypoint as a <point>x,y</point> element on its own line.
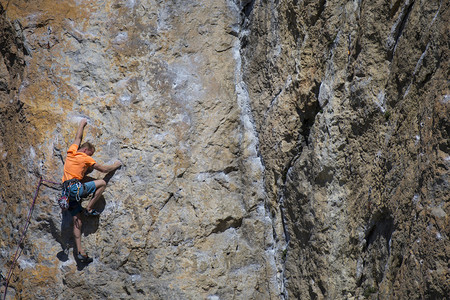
<point>271,149</point>
<point>351,105</point>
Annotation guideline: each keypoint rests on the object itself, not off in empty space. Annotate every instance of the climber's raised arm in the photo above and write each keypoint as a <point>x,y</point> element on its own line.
<point>79,135</point>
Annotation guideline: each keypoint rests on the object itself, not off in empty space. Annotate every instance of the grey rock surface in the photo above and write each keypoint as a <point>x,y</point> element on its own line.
<point>349,102</point>
<point>271,149</point>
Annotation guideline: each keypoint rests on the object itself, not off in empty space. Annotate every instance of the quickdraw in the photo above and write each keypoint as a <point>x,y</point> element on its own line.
<point>63,200</point>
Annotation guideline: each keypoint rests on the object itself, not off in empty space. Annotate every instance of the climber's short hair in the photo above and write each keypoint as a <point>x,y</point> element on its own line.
<point>88,146</point>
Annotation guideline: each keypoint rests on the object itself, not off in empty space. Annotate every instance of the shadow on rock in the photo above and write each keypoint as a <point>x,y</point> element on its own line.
<point>62,256</point>
<point>66,239</point>
<point>91,223</point>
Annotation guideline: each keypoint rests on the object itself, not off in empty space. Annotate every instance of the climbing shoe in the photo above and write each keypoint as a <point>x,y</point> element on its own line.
<point>84,258</point>
<point>91,212</point>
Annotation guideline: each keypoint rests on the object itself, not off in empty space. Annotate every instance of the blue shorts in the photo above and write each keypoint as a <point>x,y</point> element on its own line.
<point>86,189</point>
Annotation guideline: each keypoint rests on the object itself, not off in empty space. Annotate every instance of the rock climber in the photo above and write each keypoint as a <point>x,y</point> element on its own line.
<point>79,160</point>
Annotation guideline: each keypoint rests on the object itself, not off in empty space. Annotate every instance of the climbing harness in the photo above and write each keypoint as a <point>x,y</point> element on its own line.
<point>63,200</point>
<point>22,237</point>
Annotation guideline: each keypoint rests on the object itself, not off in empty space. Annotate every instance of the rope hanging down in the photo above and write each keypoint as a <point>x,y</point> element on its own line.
<point>22,237</point>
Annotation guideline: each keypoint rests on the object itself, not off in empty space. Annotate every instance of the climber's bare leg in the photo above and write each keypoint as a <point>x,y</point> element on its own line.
<point>100,186</point>
<point>77,232</point>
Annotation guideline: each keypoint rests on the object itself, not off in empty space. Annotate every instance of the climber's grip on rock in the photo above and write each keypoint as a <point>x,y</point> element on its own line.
<point>78,162</point>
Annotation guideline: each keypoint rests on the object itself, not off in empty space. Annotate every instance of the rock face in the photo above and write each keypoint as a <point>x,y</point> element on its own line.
<point>350,102</point>
<point>185,217</point>
<point>271,149</point>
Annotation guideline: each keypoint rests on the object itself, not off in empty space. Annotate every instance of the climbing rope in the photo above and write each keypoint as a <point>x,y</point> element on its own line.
<point>22,237</point>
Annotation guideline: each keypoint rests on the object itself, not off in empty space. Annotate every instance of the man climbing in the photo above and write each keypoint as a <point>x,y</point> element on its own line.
<point>78,162</point>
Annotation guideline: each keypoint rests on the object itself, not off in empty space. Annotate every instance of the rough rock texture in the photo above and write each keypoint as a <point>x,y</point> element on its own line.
<point>185,217</point>
<point>351,105</point>
<point>271,149</point>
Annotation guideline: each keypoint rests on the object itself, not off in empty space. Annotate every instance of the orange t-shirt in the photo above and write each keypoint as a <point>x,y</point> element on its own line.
<point>76,163</point>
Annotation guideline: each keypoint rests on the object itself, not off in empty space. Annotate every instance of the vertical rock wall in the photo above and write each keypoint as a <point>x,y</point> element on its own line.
<point>161,85</point>
<point>350,101</point>
<point>271,149</point>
